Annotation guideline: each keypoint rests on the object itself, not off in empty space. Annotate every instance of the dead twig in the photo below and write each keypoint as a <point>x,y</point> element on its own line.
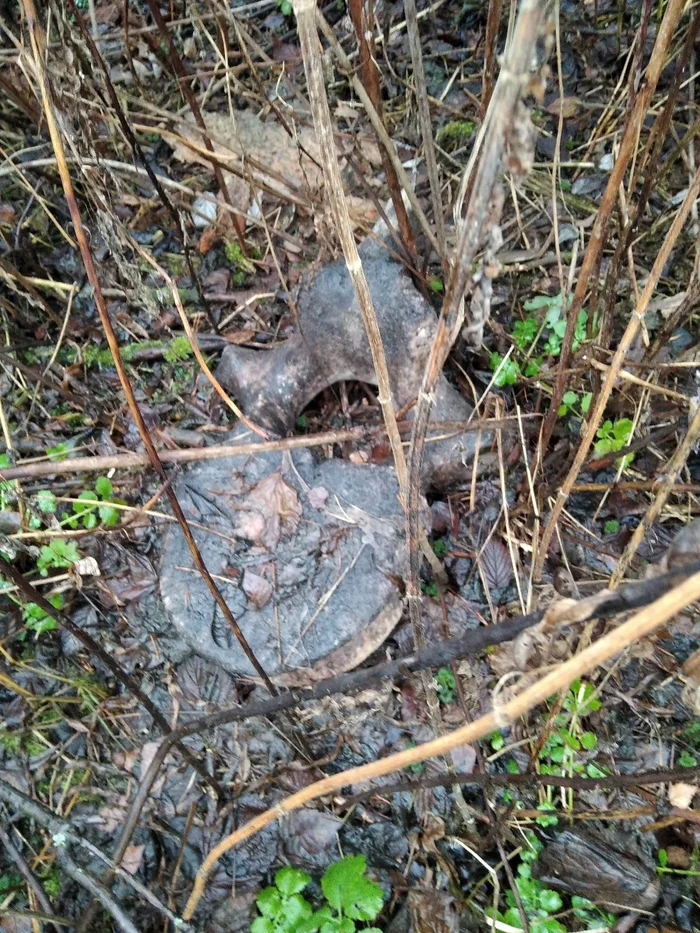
<point>502,716</point>
<point>633,326</point>
<point>305,11</point>
<point>129,461</point>
<point>369,71</point>
<point>672,14</point>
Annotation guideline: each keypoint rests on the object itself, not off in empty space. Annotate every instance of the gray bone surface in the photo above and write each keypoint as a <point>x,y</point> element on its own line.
<point>334,577</point>
<point>272,387</point>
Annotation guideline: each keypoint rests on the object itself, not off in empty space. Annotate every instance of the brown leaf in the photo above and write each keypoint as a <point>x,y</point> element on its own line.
<point>496,565</point>
<point>257,589</point>
<point>7,213</point>
<point>285,51</point>
<point>567,106</point>
<point>132,859</point>
<point>266,143</point>
<point>273,509</point>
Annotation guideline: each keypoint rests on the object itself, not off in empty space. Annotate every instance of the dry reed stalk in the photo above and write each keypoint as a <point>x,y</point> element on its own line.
<point>369,70</point>
<point>305,11</point>
<point>381,132</point>
<point>426,125</point>
<point>512,79</point>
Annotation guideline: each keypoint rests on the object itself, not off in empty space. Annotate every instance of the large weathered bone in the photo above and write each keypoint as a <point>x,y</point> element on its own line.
<point>272,387</point>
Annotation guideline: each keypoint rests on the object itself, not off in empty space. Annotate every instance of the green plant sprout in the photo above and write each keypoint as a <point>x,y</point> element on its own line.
<point>98,500</point>
<point>540,903</point>
<point>59,554</point>
<point>568,741</point>
<point>571,405</point>
<point>440,547</point>
<point>446,685</point>
<point>528,334</point>
<point>348,893</point>
<point>611,527</point>
<point>613,437</point>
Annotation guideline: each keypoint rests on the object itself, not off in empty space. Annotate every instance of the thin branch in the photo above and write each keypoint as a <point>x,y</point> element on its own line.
<point>426,126</point>
<point>628,144</point>
<point>37,44</point>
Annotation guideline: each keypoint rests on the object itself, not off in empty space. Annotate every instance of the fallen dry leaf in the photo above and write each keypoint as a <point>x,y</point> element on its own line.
<point>257,589</point>
<point>132,859</point>
<point>567,106</point>
<point>272,509</point>
<point>681,795</point>
<point>266,143</point>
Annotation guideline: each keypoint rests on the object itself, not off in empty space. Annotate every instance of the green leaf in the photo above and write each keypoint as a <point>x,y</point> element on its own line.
<point>507,371</point>
<point>589,740</point>
<point>57,453</point>
<point>663,858</point>
<point>291,880</point>
<point>435,284</point>
<point>550,901</point>
<point>497,741</point>
<point>533,367</point>
<point>269,902</point>
<point>262,925</point>
<point>593,771</point>
<point>586,402</point>
<point>103,487</point>
<point>108,515</point>
<point>542,301</point>
<point>295,909</point>
<point>623,430</point>
<point>603,447</point>
<point>348,890</point>
<point>524,332</point>
<point>512,918</point>
<point>547,926</point>
<point>81,505</point>
<point>569,398</point>
<point>686,760</point>
<point>447,686</point>
<point>440,547</point>
<point>45,501</point>
<point>611,527</point>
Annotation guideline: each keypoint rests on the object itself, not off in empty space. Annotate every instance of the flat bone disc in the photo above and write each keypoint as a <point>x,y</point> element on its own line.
<point>306,556</point>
